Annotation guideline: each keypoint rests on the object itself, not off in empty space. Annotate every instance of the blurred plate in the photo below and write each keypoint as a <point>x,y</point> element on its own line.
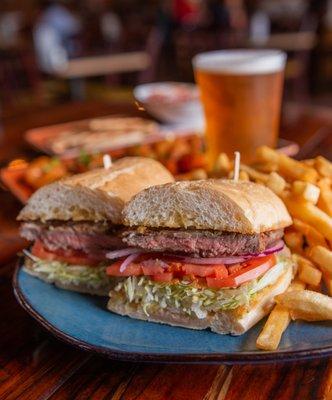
<point>84,322</point>
<point>13,178</point>
<point>176,104</point>
<point>42,138</point>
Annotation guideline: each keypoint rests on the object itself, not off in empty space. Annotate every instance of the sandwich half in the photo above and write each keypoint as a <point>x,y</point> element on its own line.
<point>75,222</point>
<point>205,254</point>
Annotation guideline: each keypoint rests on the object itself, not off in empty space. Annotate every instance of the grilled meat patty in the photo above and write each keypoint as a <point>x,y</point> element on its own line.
<point>93,238</point>
<point>86,236</point>
<point>201,243</point>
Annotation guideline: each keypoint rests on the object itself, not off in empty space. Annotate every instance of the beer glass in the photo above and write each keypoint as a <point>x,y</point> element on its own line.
<point>241,92</point>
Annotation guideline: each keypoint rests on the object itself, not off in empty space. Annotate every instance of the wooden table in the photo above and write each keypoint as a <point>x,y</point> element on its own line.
<point>35,365</point>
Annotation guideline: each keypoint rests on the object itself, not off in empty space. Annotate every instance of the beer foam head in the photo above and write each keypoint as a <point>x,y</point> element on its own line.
<point>241,61</point>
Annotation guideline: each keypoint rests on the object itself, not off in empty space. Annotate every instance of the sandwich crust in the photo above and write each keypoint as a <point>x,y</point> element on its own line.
<point>216,204</point>
<point>96,195</point>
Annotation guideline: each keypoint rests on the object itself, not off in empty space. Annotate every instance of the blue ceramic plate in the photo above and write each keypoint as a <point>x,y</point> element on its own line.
<point>83,321</point>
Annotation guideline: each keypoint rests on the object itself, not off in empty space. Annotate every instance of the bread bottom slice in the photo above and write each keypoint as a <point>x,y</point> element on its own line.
<point>87,288</point>
<point>224,322</point>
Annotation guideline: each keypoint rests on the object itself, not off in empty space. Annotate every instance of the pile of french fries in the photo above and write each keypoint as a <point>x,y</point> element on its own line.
<point>306,189</point>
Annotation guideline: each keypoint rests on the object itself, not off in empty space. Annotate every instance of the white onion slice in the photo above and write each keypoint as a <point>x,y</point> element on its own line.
<point>111,255</point>
<point>127,261</point>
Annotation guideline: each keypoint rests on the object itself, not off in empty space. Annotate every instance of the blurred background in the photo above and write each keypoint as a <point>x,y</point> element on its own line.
<point>57,51</point>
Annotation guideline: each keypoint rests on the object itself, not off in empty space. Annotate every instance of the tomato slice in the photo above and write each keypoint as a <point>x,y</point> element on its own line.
<point>217,271</point>
<point>234,268</point>
<point>154,266</point>
<point>74,257</point>
<point>250,270</point>
<point>217,276</point>
<point>131,270</point>
<point>164,277</point>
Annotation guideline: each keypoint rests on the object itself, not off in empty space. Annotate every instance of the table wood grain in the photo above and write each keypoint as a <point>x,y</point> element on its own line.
<point>35,365</point>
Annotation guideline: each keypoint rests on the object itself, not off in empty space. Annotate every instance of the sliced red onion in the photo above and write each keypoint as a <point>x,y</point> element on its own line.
<point>211,261</point>
<point>277,247</point>
<point>127,261</point>
<point>230,259</point>
<point>111,255</point>
<point>133,253</point>
<point>153,262</point>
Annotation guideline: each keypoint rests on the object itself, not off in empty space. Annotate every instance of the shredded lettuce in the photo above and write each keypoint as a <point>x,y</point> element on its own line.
<point>198,301</point>
<point>94,277</point>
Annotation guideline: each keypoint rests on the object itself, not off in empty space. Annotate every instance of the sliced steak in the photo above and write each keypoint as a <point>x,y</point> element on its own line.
<point>201,243</point>
<point>86,236</point>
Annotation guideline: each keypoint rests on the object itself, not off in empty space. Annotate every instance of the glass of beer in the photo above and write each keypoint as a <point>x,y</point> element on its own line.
<point>241,92</point>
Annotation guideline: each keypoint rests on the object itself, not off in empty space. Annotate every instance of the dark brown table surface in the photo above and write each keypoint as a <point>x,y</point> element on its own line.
<point>35,365</point>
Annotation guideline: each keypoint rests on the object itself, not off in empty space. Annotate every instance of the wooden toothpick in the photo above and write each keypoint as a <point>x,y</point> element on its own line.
<point>237,165</point>
<point>107,161</point>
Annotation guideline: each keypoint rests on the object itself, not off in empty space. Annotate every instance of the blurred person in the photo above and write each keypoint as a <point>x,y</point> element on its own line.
<point>259,22</point>
<point>103,27</point>
<point>55,34</point>
<point>237,16</point>
<point>111,26</point>
<point>285,15</point>
<point>187,12</point>
<point>10,27</point>
<point>218,14</point>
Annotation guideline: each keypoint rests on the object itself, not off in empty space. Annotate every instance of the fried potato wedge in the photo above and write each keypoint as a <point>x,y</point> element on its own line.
<point>323,257</point>
<point>310,214</point>
<point>274,327</point>
<point>276,183</point>
<point>306,305</point>
<point>292,169</point>
<point>323,166</point>
<point>306,191</point>
<point>312,235</point>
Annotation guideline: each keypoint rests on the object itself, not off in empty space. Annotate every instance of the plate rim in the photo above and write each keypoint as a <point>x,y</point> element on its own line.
<point>185,358</point>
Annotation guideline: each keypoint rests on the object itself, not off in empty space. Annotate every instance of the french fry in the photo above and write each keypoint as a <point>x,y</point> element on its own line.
<point>323,166</point>
<point>307,272</point>
<point>306,191</point>
<point>310,275</point>
<point>306,305</point>
<point>293,169</point>
<point>309,213</point>
<point>193,175</point>
<point>223,164</point>
<point>296,285</point>
<point>277,323</point>
<point>325,197</point>
<point>274,327</point>
<point>323,257</point>
<point>266,167</point>
<point>255,175</point>
<point>315,288</point>
<point>310,162</point>
<point>294,241</point>
<point>266,154</point>
<point>313,236</point>
<point>244,176</point>
<point>328,283</point>
<point>276,183</point>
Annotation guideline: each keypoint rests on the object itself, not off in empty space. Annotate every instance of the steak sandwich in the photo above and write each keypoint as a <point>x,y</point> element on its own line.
<point>75,222</point>
<point>204,254</point>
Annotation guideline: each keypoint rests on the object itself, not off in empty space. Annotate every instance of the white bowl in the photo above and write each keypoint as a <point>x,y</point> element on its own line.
<point>174,103</point>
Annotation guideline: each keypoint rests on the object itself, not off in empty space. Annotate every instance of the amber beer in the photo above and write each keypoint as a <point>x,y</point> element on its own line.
<point>241,93</point>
